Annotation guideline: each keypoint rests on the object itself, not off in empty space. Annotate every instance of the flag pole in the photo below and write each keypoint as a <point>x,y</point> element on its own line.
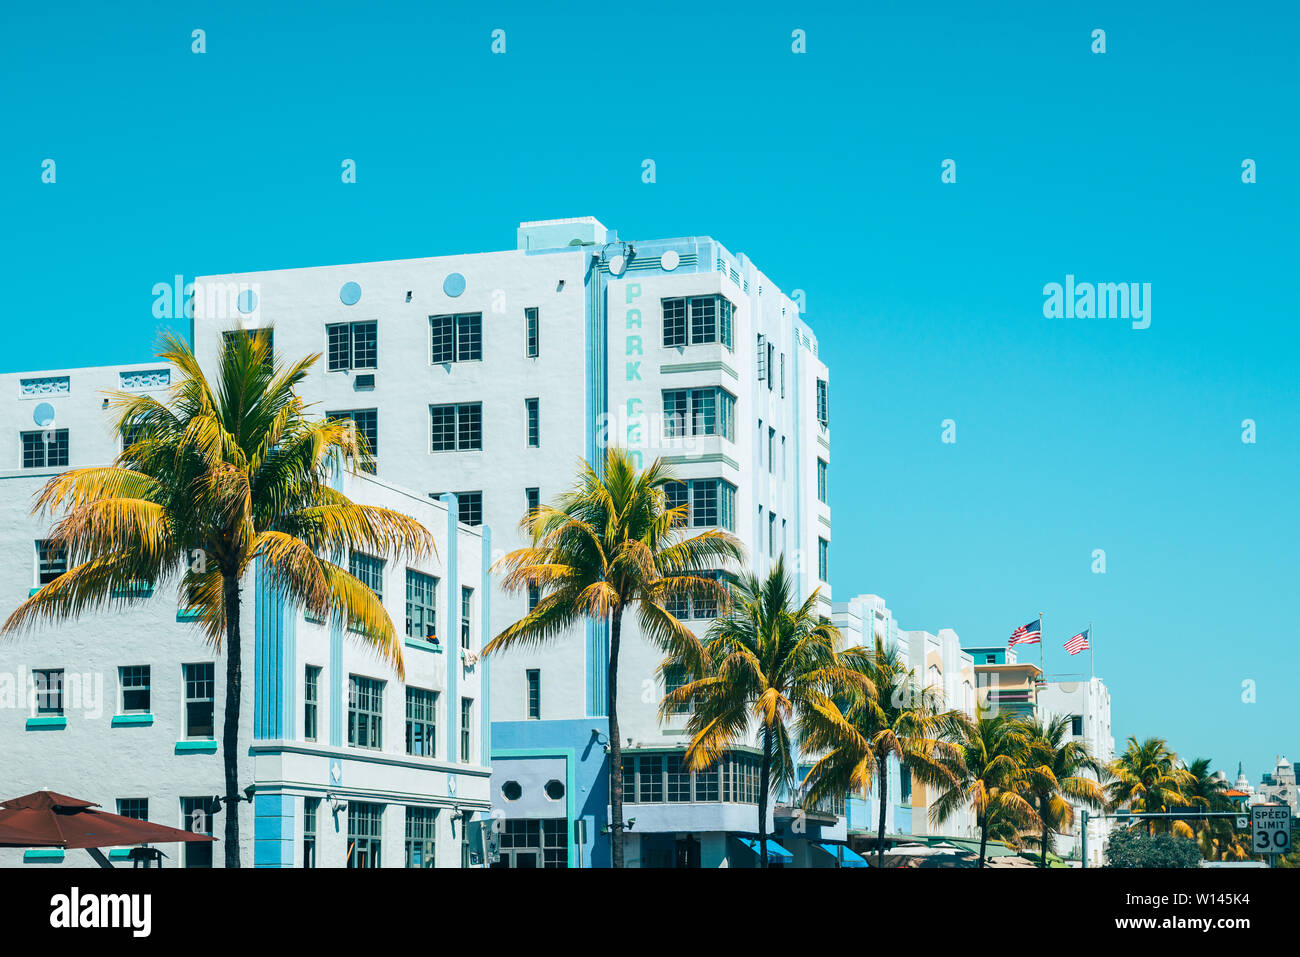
<point>1092,665</point>
<point>1042,659</point>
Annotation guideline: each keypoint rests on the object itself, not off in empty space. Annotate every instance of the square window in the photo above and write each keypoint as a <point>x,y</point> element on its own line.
<point>48,684</point>
<point>45,449</point>
<point>135,683</point>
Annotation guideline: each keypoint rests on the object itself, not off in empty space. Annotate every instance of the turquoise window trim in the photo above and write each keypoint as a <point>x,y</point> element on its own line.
<point>140,719</point>
<point>189,614</point>
<point>52,722</point>
<point>134,590</point>
<point>422,645</point>
<point>196,747</point>
<point>570,785</point>
<point>119,854</point>
<point>46,855</point>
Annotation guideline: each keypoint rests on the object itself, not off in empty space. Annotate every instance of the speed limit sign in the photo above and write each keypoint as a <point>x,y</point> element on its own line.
<point>1270,826</point>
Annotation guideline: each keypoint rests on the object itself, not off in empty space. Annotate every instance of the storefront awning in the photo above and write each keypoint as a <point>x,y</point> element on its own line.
<point>774,850</point>
<point>850,858</point>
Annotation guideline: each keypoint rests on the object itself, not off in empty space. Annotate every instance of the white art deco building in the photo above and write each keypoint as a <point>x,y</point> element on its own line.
<point>493,376</point>
<point>346,764</point>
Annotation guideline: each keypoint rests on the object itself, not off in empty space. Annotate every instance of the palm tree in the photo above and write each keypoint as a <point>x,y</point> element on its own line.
<point>766,661</point>
<point>888,715</point>
<point>1206,791</point>
<point>990,755</point>
<point>1058,773</point>
<point>1148,777</point>
<point>218,476</point>
<point>611,543</point>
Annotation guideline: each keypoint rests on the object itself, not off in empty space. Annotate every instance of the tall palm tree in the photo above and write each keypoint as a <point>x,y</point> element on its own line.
<point>888,715</point>
<point>1061,773</point>
<point>217,476</point>
<point>1148,777</point>
<point>611,543</point>
<point>989,759</point>
<point>1206,790</point>
<point>766,661</point>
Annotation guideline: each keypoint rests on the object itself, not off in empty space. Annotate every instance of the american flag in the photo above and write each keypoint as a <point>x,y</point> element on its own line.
<point>1030,634</point>
<point>1078,643</point>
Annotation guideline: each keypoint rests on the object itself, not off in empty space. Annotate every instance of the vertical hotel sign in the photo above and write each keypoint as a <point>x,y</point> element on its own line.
<point>633,355</point>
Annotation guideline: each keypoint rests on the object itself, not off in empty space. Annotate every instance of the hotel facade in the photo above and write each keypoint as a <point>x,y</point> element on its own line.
<point>493,376</point>
<point>345,764</point>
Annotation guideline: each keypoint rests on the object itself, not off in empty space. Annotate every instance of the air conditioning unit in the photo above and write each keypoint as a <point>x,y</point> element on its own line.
<point>364,381</point>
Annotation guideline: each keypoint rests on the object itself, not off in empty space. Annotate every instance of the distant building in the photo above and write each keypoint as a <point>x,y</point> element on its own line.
<point>1279,787</point>
<point>1003,684</point>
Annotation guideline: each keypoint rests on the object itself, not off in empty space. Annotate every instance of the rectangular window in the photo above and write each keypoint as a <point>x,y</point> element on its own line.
<point>40,453</point>
<point>674,322</point>
<point>533,499</point>
<point>365,712</point>
<point>823,403</point>
<point>699,412</point>
<point>365,831</point>
<point>456,338</point>
<point>421,605</point>
<point>48,683</point>
<point>469,508</point>
<point>771,534</point>
<point>456,427</point>
<point>422,722</point>
<point>783,375</point>
<point>650,778</point>
<point>823,559</point>
<point>366,422</point>
<point>534,597</point>
<point>51,562</point>
<point>822,468</point>
<point>533,409</point>
<point>351,345</point>
<point>466,728</point>
<point>196,817</point>
<point>134,681</point>
<point>137,809</point>
<point>708,319</point>
<point>678,779</point>
<point>534,677</point>
<point>310,807</point>
<point>421,833</point>
<point>532,333</point>
<point>761,349</point>
<point>771,367</point>
<point>368,570</point>
<point>311,703</point>
<point>771,450</point>
<point>674,678</point>
<point>1076,725</point>
<point>712,501</point>
<point>466,602</point>
<point>200,686</point>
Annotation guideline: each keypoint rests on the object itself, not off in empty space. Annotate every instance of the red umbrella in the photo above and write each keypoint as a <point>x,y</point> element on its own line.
<point>46,819</point>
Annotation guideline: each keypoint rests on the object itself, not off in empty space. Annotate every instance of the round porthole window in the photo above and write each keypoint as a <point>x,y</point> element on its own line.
<point>554,790</point>
<point>511,791</point>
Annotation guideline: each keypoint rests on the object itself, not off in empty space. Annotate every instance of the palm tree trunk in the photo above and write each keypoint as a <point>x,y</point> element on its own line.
<point>615,744</point>
<point>764,779</point>
<point>1047,835</point>
<point>230,731</point>
<point>984,840</point>
<point>884,803</point>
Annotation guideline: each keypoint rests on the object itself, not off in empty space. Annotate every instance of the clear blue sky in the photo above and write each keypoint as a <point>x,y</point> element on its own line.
<point>1072,435</point>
